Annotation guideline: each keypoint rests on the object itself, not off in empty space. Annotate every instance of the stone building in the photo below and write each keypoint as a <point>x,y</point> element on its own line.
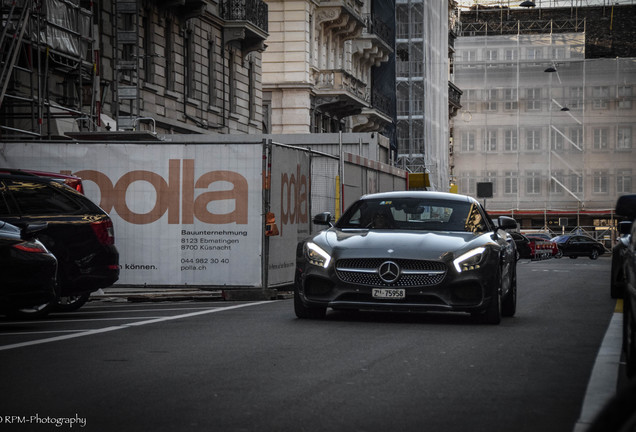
<point>329,66</point>
<point>188,66</point>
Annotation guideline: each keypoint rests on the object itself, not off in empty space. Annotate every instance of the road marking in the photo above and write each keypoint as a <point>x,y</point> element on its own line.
<point>70,320</point>
<point>125,326</point>
<point>602,384</point>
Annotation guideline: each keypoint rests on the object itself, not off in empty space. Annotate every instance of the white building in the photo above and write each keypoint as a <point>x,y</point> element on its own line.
<point>552,131</point>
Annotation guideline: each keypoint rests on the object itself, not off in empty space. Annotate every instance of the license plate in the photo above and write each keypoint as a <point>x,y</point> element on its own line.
<point>389,293</point>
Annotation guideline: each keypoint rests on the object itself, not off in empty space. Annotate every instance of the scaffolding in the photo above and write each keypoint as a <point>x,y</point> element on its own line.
<point>48,68</point>
<point>422,89</point>
<point>550,129</point>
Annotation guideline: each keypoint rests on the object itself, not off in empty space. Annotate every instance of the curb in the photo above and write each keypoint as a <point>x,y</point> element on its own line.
<point>141,295</point>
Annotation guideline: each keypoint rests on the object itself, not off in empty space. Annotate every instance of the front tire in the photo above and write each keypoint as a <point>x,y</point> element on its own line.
<point>509,305</point>
<point>305,312</point>
<point>594,254</point>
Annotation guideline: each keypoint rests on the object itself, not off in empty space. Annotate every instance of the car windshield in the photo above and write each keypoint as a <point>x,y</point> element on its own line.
<point>414,214</point>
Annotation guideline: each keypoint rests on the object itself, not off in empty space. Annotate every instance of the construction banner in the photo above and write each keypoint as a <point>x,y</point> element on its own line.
<point>183,214</point>
<point>289,202</point>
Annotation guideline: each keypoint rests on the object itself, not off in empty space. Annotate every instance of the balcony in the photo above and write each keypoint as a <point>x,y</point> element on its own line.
<point>339,93</point>
<point>377,117</point>
<point>342,19</point>
<point>245,21</point>
<point>454,99</point>
<point>376,42</point>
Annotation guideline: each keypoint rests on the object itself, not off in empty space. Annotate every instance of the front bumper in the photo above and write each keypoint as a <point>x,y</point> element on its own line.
<point>461,292</point>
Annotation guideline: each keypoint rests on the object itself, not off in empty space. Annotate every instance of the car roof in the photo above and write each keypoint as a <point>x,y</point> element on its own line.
<point>419,194</point>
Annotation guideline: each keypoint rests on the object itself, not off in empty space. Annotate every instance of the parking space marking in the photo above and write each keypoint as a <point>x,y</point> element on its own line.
<point>71,320</point>
<point>42,332</point>
<point>125,326</point>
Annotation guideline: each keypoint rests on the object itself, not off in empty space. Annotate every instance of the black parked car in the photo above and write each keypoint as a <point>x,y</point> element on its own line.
<point>409,251</point>
<point>626,206</point>
<point>27,269</point>
<point>574,246</point>
<point>619,253</point>
<point>78,233</point>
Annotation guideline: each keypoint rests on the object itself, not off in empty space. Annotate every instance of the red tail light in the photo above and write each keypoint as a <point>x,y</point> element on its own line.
<point>31,246</point>
<point>75,184</point>
<point>104,231</point>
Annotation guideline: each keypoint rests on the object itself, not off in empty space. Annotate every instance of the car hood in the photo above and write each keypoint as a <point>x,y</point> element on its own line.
<point>432,245</point>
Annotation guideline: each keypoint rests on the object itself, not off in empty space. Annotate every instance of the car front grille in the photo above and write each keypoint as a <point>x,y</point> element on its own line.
<point>365,271</point>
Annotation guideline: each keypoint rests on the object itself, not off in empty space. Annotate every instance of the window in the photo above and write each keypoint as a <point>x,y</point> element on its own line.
<point>555,182</point>
<point>557,140</point>
<point>469,56</point>
<point>510,140</point>
<point>600,182</point>
<point>600,97</point>
<point>467,184</point>
<point>534,53</point>
<point>491,176</point>
<point>469,100</point>
<point>558,53</point>
<point>211,73</point>
<point>624,97</point>
<point>491,100</point>
<point>490,55</point>
<point>148,44</point>
<point>533,102</point>
<point>511,54</point>
<point>624,138</point>
<point>41,199</point>
<point>233,80</point>
<point>624,181</point>
<point>533,139</point>
<point>188,64</point>
<point>510,99</point>
<point>576,98</point>
<point>600,138</point>
<point>576,183</point>
<point>533,182</point>
<point>169,56</point>
<point>491,140</point>
<point>468,141</point>
<point>510,182</point>
<point>251,89</point>
<point>576,136</point>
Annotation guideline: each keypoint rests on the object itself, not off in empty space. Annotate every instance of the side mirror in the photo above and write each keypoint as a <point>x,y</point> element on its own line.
<point>506,223</point>
<point>323,219</point>
<point>625,227</point>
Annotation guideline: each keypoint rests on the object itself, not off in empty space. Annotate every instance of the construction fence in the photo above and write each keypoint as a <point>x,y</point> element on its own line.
<point>208,214</point>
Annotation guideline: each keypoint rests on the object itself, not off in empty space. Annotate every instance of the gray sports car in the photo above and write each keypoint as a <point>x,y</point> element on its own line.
<point>409,251</point>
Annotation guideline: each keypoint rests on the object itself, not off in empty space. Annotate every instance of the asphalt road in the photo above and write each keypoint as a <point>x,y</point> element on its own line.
<point>252,366</point>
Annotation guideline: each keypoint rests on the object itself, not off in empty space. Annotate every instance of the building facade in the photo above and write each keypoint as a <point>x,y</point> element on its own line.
<point>327,65</point>
<point>190,66</point>
<point>426,97</point>
<point>549,128</point>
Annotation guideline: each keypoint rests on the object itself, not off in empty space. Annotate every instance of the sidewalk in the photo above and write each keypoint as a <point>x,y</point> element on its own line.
<point>159,294</point>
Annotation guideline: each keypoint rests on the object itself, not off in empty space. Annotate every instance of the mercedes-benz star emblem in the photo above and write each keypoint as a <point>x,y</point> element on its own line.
<point>389,271</point>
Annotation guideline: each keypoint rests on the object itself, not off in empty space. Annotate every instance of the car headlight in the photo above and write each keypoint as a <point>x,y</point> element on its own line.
<point>470,260</point>
<point>316,255</point>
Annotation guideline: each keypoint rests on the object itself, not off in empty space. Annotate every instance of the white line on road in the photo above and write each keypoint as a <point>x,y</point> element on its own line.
<point>125,326</point>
